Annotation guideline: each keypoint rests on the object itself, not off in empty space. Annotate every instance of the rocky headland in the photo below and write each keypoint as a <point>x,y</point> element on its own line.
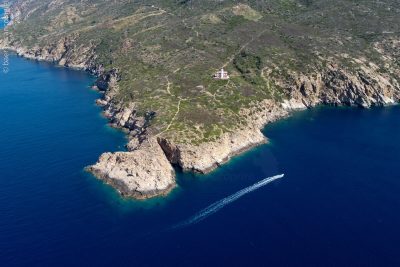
<point>201,127</point>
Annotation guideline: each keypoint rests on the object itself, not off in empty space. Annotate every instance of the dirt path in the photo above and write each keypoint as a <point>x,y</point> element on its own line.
<point>173,118</point>
<point>230,59</point>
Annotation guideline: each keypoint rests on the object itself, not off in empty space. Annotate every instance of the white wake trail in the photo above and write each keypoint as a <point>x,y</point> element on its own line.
<point>213,208</point>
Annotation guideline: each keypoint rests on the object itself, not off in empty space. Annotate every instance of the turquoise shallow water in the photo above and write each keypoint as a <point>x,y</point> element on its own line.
<point>337,205</point>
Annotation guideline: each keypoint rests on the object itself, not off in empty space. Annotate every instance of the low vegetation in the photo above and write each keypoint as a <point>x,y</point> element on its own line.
<point>168,50</point>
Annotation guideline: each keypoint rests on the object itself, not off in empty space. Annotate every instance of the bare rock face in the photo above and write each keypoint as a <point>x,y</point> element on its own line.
<point>338,86</point>
<point>64,53</point>
<point>140,174</point>
<point>107,80</point>
<point>145,171</point>
<point>263,112</point>
<point>206,157</point>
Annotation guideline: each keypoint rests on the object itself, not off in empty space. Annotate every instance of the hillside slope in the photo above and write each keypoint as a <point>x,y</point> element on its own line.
<point>155,60</point>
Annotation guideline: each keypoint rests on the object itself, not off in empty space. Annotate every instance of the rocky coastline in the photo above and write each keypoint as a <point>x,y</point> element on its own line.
<point>141,174</point>
<point>146,169</point>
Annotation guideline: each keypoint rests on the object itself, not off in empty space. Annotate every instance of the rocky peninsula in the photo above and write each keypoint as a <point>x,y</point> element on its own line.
<point>155,67</point>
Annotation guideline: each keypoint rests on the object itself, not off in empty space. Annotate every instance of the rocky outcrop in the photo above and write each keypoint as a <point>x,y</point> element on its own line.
<point>64,53</point>
<point>336,85</point>
<point>150,161</point>
<point>145,169</point>
<point>140,174</point>
<point>207,156</point>
<point>107,80</point>
<point>127,118</point>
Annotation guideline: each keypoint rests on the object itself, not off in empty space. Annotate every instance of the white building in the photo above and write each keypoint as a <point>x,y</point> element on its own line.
<point>221,75</point>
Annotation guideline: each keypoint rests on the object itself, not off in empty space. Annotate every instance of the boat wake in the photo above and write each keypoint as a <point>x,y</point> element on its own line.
<point>213,208</point>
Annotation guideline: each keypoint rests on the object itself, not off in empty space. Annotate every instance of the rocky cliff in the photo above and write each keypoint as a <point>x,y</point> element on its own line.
<point>148,155</point>
<point>336,86</point>
<point>146,169</point>
<point>63,53</point>
<point>154,64</point>
<point>141,174</point>
<point>333,86</point>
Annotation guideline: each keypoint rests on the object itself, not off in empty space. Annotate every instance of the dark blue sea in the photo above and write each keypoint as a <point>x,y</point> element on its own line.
<point>338,205</point>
